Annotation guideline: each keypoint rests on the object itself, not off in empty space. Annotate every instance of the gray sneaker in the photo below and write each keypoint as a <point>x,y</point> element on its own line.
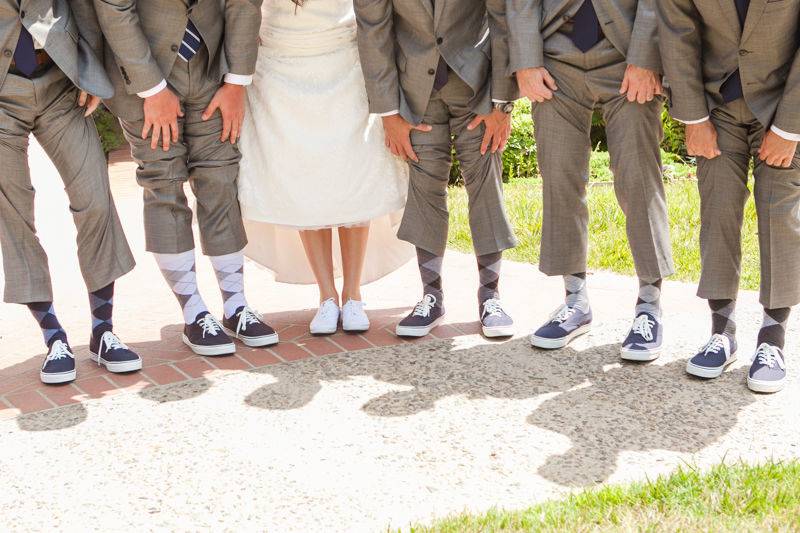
<point>643,343</point>
<point>426,315</point>
<point>768,371</point>
<point>564,324</point>
<point>495,322</point>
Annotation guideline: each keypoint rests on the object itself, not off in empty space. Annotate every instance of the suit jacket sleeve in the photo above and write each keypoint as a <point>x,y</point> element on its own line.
<point>120,24</point>
<point>242,24</point>
<point>787,117</point>
<point>680,42</point>
<point>504,86</point>
<point>525,43</point>
<point>643,50</point>
<point>89,26</point>
<point>376,46</point>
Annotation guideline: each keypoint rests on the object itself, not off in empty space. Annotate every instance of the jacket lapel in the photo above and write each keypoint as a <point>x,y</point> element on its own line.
<point>428,5</point>
<point>754,13</point>
<point>438,9</point>
<point>729,12</point>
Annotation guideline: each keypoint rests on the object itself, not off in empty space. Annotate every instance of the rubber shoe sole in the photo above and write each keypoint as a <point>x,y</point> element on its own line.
<point>498,331</point>
<point>56,378</point>
<point>117,367</point>
<point>417,331</point>
<point>254,342</point>
<point>360,328</point>
<point>708,372</point>
<point>210,351</point>
<point>767,387</point>
<point>553,344</point>
<point>641,356</point>
<point>323,331</point>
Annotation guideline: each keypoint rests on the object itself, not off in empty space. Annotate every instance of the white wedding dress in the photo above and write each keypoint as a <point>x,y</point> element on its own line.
<point>312,156</point>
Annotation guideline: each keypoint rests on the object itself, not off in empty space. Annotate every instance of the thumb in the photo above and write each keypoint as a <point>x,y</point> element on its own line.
<point>212,106</point>
<point>624,87</point>
<point>550,82</point>
<point>423,127</point>
<point>475,123</point>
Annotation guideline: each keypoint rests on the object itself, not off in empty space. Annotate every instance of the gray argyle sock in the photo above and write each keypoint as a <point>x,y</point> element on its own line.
<point>649,300</point>
<point>430,270</point>
<point>577,292</point>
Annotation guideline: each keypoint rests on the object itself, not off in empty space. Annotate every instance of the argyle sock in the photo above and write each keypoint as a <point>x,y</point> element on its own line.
<point>577,292</point>
<point>430,270</point>
<point>45,315</point>
<point>179,271</point>
<point>773,327</point>
<point>230,275</point>
<point>101,303</point>
<point>723,318</point>
<point>489,276</point>
<point>649,300</point>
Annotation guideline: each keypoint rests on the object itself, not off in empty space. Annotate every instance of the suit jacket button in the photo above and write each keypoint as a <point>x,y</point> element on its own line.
<point>22,14</point>
<point>439,40</point>
<point>8,53</point>
<point>431,71</point>
<point>744,52</point>
<point>174,47</point>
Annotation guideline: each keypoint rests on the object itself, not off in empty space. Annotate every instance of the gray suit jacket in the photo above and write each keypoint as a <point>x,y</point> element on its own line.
<point>630,25</point>
<point>702,43</point>
<point>144,37</point>
<point>400,42</point>
<point>69,33</point>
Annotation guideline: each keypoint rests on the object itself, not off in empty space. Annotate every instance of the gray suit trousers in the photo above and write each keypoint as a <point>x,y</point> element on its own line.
<point>210,166</point>
<point>723,192</point>
<point>46,106</point>
<point>425,222</point>
<point>562,129</point>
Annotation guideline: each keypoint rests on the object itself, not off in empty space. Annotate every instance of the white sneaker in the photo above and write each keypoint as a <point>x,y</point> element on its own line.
<point>326,320</point>
<point>354,319</point>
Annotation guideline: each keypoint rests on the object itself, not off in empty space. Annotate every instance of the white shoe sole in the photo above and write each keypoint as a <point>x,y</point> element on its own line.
<point>357,328</point>
<point>498,331</point>
<point>417,331</point>
<point>641,356</point>
<point>707,372</point>
<point>553,344</point>
<point>323,331</point>
<point>55,379</point>
<point>210,351</point>
<point>254,342</point>
<point>765,386</point>
<point>117,367</point>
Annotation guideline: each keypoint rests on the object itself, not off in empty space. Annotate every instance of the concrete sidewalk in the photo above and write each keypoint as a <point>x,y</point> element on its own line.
<point>354,433</point>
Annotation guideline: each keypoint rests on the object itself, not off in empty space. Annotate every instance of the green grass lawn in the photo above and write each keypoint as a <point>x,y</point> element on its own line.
<point>735,498</point>
<point>608,245</point>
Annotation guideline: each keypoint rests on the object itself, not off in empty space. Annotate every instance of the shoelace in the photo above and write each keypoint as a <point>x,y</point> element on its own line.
<point>209,325</point>
<point>247,317</point>
<point>714,344</point>
<point>769,356</point>
<point>59,350</point>
<point>493,307</point>
<point>643,326</point>
<point>562,314</point>
<point>424,307</point>
<point>326,310</point>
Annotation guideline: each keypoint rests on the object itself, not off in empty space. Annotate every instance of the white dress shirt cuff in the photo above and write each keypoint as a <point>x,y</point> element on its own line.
<point>238,79</point>
<point>499,101</point>
<point>154,91</point>
<point>785,134</point>
<point>690,122</point>
<point>389,113</point>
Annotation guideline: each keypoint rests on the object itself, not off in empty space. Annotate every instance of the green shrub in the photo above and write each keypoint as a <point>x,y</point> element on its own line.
<point>109,130</point>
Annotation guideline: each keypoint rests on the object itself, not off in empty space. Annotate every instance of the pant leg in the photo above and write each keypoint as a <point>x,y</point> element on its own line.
<point>72,143</point>
<point>634,134</point>
<point>562,128</point>
<point>27,277</point>
<point>213,168</point>
<point>483,174</point>
<point>722,183</point>
<point>425,219</point>
<point>777,199</point>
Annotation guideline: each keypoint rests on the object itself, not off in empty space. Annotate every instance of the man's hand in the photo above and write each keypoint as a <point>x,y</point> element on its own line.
<point>536,84</point>
<point>88,101</point>
<point>701,140</point>
<point>777,151</point>
<point>161,112</point>
<point>230,102</point>
<point>498,129</point>
<point>640,84</point>
<point>398,136</point>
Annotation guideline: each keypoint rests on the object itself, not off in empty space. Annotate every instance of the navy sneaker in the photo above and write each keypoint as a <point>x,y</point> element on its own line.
<point>713,358</point>
<point>426,315</point>
<point>205,336</point>
<point>768,371</point>
<point>59,365</point>
<point>563,326</point>
<point>248,326</point>
<point>495,322</point>
<point>112,353</point>
<point>643,343</point>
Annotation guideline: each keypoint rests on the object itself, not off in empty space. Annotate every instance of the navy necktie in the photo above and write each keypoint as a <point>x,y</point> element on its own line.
<point>25,54</point>
<point>586,32</point>
<point>741,9</point>
<point>442,70</point>
<point>731,89</point>
<point>191,42</point>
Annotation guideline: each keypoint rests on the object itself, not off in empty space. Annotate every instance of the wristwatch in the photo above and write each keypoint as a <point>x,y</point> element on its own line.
<point>505,107</point>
